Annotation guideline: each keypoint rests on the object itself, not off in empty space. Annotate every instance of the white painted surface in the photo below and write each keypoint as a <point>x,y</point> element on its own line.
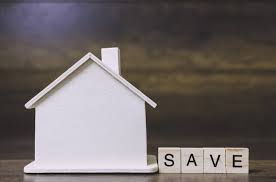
<point>237,160</point>
<point>192,160</point>
<point>169,159</point>
<point>88,57</point>
<point>90,119</point>
<point>217,165</point>
<point>111,58</point>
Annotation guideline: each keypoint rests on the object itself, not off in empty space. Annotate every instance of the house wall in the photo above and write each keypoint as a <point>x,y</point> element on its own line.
<point>91,119</point>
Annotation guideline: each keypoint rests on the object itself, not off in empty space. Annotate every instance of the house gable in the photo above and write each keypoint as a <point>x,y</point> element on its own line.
<point>32,103</point>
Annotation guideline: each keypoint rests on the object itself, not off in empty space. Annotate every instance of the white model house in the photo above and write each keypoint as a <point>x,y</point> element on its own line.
<point>90,119</point>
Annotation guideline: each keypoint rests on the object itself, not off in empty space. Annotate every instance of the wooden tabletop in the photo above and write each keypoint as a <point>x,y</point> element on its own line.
<point>260,170</point>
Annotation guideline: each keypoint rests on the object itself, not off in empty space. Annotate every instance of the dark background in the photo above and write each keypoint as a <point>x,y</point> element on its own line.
<point>210,66</point>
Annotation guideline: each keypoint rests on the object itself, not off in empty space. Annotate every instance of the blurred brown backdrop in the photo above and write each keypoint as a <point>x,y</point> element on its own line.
<point>210,66</point>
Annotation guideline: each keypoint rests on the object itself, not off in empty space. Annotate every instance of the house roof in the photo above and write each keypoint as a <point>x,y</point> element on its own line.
<point>31,103</point>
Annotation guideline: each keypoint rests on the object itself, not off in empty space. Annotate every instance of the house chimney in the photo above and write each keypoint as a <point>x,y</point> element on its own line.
<point>111,58</point>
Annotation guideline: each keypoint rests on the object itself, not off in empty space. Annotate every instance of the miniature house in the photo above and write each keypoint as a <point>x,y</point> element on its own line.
<point>91,120</point>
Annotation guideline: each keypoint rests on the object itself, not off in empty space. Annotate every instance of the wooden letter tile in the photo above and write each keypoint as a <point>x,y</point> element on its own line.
<point>237,160</point>
<point>214,160</point>
<point>192,160</point>
<point>169,160</point>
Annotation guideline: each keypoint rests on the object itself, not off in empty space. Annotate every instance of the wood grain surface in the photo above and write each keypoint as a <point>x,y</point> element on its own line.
<point>211,68</point>
<point>260,170</point>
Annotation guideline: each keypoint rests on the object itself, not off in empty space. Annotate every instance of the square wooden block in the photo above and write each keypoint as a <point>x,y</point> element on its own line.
<point>169,160</point>
<point>214,160</point>
<point>237,160</point>
<point>192,160</point>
